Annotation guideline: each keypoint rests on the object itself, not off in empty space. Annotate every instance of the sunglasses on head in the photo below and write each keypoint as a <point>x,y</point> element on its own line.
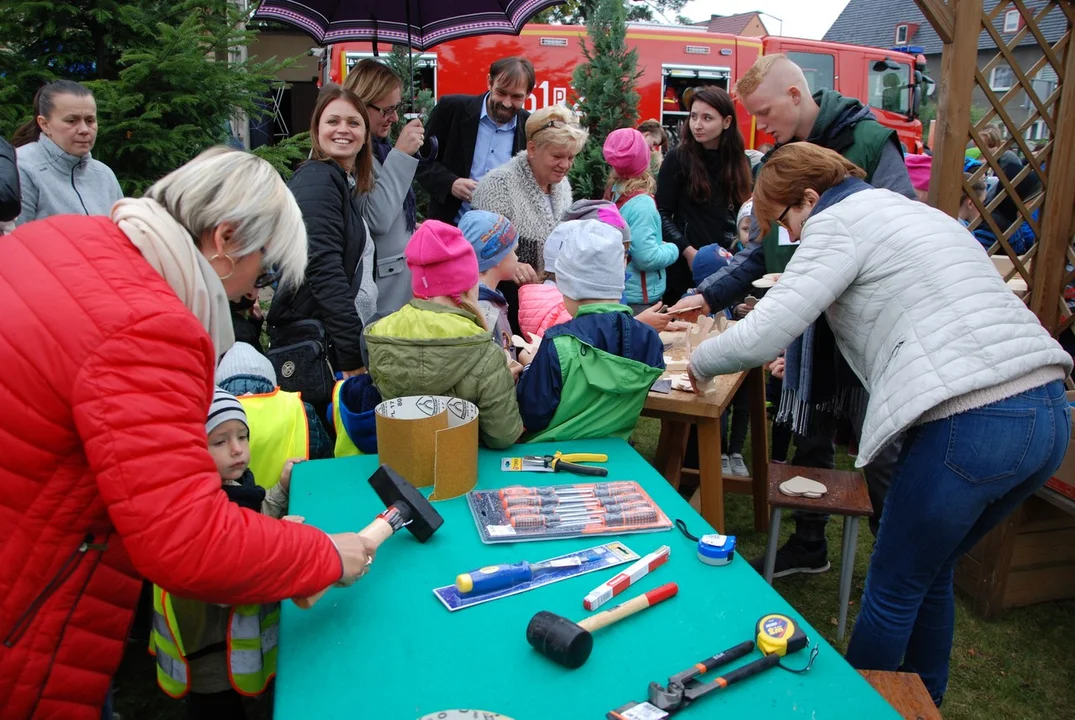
<point>555,124</point>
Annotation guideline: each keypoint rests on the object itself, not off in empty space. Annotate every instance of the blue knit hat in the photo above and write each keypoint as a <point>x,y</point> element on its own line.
<point>492,236</point>
<point>358,399</point>
<point>225,407</point>
<point>708,260</point>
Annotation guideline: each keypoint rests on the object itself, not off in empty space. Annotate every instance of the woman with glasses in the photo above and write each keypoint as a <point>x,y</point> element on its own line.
<point>339,293</point>
<point>532,191</point>
<point>948,354</point>
<point>389,207</point>
<point>107,476</point>
<point>702,183</point>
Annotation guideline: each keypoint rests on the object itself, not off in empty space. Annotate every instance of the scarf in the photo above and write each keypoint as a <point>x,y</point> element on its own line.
<point>381,148</point>
<point>168,247</point>
<point>812,401</point>
<point>245,492</point>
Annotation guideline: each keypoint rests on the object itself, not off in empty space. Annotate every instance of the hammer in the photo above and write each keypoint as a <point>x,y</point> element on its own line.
<point>405,507</point>
<point>570,644</point>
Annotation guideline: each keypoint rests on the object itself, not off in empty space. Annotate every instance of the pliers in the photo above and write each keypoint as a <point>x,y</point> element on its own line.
<point>566,463</point>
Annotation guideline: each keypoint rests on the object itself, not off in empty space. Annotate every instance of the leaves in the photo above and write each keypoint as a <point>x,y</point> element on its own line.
<point>169,77</point>
<point>604,86</point>
<point>578,12</point>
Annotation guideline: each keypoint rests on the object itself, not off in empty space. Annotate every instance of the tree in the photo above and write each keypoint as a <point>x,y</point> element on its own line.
<point>605,86</point>
<point>578,12</point>
<point>168,76</point>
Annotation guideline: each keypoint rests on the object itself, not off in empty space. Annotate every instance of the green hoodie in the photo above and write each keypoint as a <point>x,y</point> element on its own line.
<point>429,349</point>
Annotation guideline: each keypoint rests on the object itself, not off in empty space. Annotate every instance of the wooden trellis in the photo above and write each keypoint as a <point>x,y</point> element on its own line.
<point>959,23</point>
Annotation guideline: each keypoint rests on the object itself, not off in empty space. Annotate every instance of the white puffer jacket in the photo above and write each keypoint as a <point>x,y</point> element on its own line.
<point>918,310</point>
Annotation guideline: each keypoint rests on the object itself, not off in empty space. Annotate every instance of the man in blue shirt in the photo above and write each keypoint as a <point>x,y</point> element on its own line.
<point>475,133</point>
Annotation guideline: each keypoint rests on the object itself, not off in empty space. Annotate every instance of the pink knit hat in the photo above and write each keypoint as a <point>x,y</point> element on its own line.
<point>626,152</point>
<point>441,260</point>
<point>918,167</point>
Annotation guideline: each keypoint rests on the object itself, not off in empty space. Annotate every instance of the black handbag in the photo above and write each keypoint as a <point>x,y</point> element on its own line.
<point>299,354</point>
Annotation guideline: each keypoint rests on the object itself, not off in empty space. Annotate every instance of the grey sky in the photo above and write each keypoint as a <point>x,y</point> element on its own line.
<point>802,18</point>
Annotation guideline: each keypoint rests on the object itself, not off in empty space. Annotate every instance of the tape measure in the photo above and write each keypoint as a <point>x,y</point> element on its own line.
<point>779,635</point>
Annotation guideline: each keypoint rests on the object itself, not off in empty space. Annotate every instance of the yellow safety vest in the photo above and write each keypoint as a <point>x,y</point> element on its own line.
<point>278,432</point>
<point>344,445</point>
<point>253,632</point>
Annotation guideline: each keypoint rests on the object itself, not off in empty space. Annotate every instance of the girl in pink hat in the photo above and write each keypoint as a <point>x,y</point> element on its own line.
<point>631,186</point>
<point>437,344</point>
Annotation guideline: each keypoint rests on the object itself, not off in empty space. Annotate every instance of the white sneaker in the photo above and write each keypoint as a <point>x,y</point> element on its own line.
<point>725,465</point>
<point>739,467</point>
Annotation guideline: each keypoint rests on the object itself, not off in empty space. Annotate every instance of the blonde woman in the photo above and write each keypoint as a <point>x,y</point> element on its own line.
<point>107,475</point>
<point>631,186</point>
<point>532,190</point>
<point>389,208</point>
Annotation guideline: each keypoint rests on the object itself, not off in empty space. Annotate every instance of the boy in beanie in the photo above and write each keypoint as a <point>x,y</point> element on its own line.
<point>494,240</point>
<point>199,634</point>
<point>245,372</point>
<point>631,186</point>
<point>590,376</point>
<point>438,344</point>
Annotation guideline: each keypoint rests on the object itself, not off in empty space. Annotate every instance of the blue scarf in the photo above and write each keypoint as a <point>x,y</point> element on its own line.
<point>381,148</point>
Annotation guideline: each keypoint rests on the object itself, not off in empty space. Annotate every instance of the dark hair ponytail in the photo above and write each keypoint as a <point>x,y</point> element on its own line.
<point>734,168</point>
<point>44,102</point>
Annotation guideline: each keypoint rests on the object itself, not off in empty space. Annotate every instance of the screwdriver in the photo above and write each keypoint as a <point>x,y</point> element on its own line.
<point>591,510</point>
<point>533,522</point>
<point>511,504</point>
<point>600,490</point>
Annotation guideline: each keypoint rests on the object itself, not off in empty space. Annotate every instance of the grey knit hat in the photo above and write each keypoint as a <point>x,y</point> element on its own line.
<point>603,210</point>
<point>225,407</point>
<point>590,265</point>
<point>244,359</point>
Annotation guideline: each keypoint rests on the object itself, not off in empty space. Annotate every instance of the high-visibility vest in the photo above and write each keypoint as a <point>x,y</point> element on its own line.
<point>279,431</point>
<point>253,633</point>
<point>345,447</point>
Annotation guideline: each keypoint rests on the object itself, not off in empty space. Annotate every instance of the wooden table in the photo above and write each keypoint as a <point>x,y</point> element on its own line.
<point>904,692</point>
<point>677,411</point>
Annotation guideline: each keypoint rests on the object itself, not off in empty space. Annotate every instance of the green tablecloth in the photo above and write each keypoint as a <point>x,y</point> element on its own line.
<point>386,648</point>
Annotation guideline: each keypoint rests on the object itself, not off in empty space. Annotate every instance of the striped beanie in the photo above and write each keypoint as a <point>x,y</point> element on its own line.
<point>225,407</point>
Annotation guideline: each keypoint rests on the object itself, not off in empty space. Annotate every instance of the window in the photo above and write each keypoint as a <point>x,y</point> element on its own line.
<point>819,69</point>
<point>1038,131</point>
<point>901,34</point>
<point>1002,78</point>
<point>888,89</point>
<point>1011,21</point>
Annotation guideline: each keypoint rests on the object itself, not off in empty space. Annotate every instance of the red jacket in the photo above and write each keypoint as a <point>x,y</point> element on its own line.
<point>105,385</point>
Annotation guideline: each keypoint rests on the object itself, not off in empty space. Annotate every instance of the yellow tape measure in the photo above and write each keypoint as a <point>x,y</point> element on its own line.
<point>778,634</point>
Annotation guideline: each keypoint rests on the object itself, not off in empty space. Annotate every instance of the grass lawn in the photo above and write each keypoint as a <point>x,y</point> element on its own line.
<point>1016,668</point>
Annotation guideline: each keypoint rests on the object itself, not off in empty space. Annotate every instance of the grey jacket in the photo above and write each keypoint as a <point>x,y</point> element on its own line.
<point>382,209</point>
<point>57,183</point>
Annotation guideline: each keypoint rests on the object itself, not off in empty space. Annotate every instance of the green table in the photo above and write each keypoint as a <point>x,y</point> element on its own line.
<point>386,648</point>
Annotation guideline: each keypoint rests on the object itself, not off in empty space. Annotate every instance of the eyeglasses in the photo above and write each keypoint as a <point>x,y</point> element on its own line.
<point>554,124</point>
<point>780,220</point>
<point>267,277</point>
<point>389,111</point>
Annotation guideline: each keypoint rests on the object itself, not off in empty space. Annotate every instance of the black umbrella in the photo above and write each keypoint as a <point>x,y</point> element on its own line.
<point>418,24</point>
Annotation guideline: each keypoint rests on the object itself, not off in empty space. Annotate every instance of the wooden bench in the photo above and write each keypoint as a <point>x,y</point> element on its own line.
<point>904,692</point>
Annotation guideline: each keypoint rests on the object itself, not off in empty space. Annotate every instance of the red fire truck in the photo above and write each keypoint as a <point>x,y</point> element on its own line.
<point>670,60</point>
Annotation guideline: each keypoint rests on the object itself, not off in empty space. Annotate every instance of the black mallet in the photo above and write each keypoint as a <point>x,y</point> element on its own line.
<point>569,643</point>
<point>405,507</point>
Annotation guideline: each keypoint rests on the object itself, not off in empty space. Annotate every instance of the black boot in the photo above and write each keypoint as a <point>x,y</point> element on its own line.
<point>806,551</point>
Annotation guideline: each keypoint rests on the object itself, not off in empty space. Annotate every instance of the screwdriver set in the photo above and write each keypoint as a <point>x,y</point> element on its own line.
<point>519,512</point>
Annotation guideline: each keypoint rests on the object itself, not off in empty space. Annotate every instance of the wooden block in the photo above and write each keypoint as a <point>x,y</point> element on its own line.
<point>904,692</point>
<point>1027,587</point>
<point>1037,549</point>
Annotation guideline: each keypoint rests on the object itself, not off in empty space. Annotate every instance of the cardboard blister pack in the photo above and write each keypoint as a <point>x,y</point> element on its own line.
<point>430,440</point>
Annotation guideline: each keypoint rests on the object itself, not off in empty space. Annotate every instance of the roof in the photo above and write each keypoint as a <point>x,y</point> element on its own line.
<point>873,23</point>
<point>731,24</point>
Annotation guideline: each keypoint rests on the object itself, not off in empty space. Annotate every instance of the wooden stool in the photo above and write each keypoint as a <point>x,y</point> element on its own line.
<point>846,496</point>
<point>904,692</point>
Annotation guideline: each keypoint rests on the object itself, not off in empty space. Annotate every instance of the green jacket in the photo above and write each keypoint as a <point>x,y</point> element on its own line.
<point>429,349</point>
<point>847,126</point>
<point>590,376</point>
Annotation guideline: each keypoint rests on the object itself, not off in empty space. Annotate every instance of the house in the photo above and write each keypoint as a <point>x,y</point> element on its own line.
<point>743,24</point>
<point>899,25</point>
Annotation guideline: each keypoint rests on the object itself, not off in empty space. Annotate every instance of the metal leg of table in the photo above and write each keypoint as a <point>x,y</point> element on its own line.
<point>774,540</point>
<point>847,570</point>
<point>710,476</point>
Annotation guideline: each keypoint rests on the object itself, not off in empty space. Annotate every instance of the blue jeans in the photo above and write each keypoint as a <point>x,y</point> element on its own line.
<point>955,480</point>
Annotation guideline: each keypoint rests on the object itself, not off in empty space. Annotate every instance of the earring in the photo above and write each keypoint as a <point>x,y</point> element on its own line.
<point>229,259</point>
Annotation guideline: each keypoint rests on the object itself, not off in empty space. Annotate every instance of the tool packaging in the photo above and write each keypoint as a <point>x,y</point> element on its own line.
<point>520,513</point>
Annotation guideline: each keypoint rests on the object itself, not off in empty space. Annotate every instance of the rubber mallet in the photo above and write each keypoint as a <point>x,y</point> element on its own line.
<point>569,643</point>
<point>404,507</point>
